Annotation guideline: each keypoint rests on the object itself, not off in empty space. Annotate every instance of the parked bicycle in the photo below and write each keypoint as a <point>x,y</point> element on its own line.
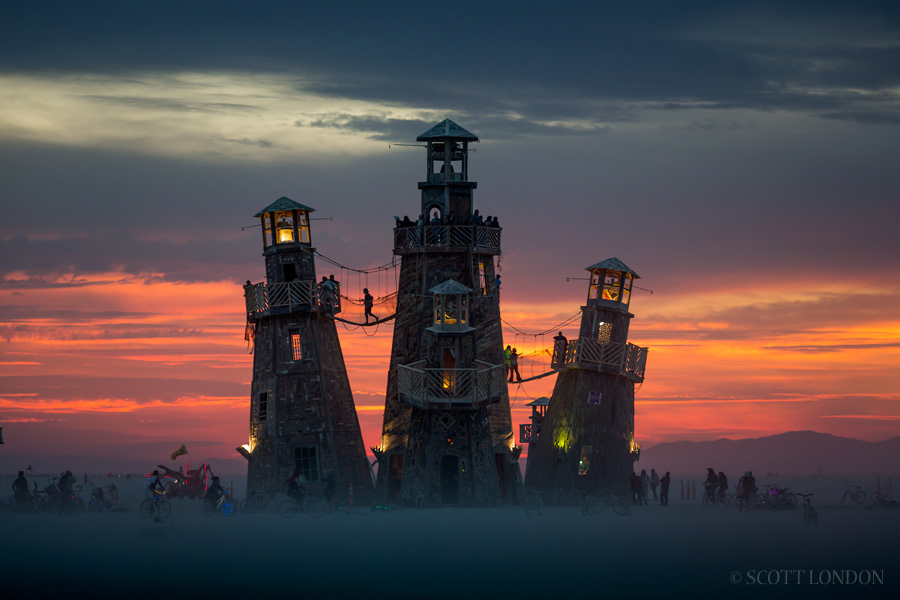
<point>810,516</point>
<point>854,493</point>
<point>599,501</point>
<point>103,498</point>
<point>257,502</point>
<point>156,504</point>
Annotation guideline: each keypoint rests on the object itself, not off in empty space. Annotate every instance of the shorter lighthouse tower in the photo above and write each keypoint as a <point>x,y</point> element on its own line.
<point>302,418</point>
<point>586,438</point>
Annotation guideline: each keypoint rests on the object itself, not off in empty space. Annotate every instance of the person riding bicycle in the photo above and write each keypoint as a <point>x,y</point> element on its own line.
<point>213,492</point>
<point>711,483</point>
<point>20,489</point>
<point>66,485</point>
<point>295,492</point>
<point>154,485</point>
<point>723,484</point>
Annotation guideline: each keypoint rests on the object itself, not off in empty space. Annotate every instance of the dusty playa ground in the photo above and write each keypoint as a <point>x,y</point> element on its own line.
<point>683,550</point>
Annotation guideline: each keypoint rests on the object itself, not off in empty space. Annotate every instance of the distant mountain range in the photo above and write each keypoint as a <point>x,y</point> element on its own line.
<point>791,453</point>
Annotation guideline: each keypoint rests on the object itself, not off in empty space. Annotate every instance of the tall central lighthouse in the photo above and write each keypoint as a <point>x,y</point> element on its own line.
<point>447,434</point>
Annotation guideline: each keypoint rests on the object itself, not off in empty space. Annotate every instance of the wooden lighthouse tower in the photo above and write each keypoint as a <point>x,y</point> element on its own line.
<point>302,416</point>
<point>447,434</point>
<point>586,438</point>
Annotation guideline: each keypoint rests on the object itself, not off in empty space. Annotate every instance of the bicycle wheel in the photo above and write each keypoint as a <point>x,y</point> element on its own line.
<point>815,516</point>
<point>706,500</point>
<point>807,515</point>
<point>164,509</point>
<point>245,505</point>
<point>620,507</point>
<point>96,505</point>
<point>147,508</point>
<point>859,497</point>
<point>207,509</point>
<point>227,508</point>
<point>876,497</point>
<point>314,507</point>
<point>288,509</point>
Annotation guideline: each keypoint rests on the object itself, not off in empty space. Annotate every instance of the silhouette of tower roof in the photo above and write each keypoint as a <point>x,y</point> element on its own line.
<point>283,203</point>
<point>447,129</point>
<point>614,264</point>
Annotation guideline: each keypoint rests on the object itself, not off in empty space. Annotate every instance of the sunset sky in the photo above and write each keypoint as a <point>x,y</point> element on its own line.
<point>741,157</point>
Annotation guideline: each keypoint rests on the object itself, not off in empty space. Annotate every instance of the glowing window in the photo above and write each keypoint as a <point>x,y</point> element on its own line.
<point>594,291</point>
<point>284,227</point>
<point>626,288</point>
<point>303,227</point>
<point>604,332</point>
<point>296,352</point>
<point>611,285</point>
<point>482,278</point>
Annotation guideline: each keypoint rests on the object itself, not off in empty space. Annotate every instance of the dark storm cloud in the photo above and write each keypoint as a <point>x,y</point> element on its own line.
<point>492,58</point>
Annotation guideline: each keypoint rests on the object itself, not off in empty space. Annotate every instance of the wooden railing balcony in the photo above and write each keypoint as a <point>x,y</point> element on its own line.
<point>450,388</point>
<point>529,433</point>
<point>612,357</point>
<point>264,299</point>
<point>480,238</point>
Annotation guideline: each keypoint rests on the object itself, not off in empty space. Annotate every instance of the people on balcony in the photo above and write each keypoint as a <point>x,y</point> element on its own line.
<point>328,293</point>
<point>406,222</point>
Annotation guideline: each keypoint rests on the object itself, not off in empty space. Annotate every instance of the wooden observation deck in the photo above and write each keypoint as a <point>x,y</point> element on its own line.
<point>275,298</point>
<point>611,357</point>
<point>447,238</point>
<point>470,388</point>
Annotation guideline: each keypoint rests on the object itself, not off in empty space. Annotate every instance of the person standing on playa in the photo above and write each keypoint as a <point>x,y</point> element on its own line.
<point>654,482</point>
<point>664,489</point>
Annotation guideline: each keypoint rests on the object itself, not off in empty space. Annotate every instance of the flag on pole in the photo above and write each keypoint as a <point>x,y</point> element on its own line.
<point>179,452</point>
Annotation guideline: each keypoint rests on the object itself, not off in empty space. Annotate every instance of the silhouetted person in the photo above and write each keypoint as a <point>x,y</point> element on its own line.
<point>20,490</point>
<point>723,484</point>
<point>368,302</point>
<point>636,496</point>
<point>514,365</point>
<point>213,492</point>
<point>497,283</point>
<point>645,485</point>
<point>406,222</point>
<point>711,483</point>
<point>294,491</point>
<point>560,347</point>
<point>507,359</point>
<point>654,482</point>
<point>66,487</point>
<point>664,489</point>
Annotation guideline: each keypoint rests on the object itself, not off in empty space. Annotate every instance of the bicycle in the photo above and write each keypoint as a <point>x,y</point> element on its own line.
<point>103,497</point>
<point>533,503</point>
<point>809,513</point>
<point>855,493</point>
<point>314,507</point>
<point>156,504</point>
<point>597,502</point>
<point>223,504</point>
<point>712,497</point>
<point>257,502</point>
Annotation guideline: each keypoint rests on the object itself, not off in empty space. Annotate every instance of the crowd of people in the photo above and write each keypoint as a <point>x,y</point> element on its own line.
<point>642,485</point>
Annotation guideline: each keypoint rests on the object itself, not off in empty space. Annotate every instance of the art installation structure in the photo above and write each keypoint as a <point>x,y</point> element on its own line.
<point>302,417</point>
<point>583,440</point>
<point>447,434</point>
